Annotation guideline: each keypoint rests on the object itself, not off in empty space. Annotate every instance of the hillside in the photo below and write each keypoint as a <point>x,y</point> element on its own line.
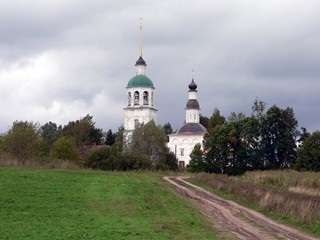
<point>60,204</point>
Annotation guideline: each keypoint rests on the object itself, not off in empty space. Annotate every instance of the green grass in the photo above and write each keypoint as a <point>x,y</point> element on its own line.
<point>60,204</point>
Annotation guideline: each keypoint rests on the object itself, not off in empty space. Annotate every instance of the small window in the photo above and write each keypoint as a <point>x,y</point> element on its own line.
<point>181,152</point>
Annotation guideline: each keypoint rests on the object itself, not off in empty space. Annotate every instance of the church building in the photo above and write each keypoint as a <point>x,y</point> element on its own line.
<point>140,109</point>
<point>189,134</point>
<point>140,94</point>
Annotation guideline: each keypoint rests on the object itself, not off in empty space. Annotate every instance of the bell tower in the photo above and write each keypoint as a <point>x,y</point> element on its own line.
<point>192,106</point>
<point>140,97</point>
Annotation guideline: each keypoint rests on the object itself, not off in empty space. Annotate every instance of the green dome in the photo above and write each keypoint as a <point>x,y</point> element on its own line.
<point>140,81</point>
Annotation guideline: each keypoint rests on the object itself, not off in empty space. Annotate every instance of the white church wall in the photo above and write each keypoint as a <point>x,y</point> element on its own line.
<point>182,146</point>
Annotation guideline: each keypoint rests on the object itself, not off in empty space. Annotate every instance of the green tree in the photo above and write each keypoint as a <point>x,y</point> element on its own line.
<point>236,116</point>
<point>197,163</point>
<point>50,132</point>
<point>167,128</point>
<point>119,144</point>
<point>279,134</point>
<point>217,149</point>
<point>258,108</point>
<point>150,140</point>
<point>83,131</point>
<point>2,145</point>
<point>303,135</point>
<point>110,138</point>
<point>204,121</point>
<point>251,142</point>
<point>21,140</point>
<point>168,163</point>
<point>309,154</point>
<point>65,148</point>
<point>216,119</point>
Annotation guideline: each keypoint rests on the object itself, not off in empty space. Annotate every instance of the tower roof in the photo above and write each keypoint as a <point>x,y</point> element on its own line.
<point>192,86</point>
<point>140,81</point>
<point>192,128</point>
<point>192,104</point>
<point>141,61</point>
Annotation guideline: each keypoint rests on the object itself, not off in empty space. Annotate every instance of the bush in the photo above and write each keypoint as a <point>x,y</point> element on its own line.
<point>169,163</point>
<point>65,148</point>
<point>133,161</point>
<point>99,159</point>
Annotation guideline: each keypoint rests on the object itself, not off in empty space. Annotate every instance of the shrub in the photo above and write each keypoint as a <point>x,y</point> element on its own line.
<point>65,148</point>
<point>99,159</point>
<point>133,161</point>
<point>170,162</point>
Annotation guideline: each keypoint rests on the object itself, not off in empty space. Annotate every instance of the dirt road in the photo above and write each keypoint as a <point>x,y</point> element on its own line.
<point>231,220</point>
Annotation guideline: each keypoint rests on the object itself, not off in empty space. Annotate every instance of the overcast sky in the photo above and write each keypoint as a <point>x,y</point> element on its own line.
<point>63,59</point>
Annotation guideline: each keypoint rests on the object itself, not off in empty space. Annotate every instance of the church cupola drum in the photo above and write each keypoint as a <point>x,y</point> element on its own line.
<point>140,96</point>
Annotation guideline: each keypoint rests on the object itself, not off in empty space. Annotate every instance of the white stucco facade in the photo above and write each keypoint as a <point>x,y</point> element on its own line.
<point>182,145</point>
<point>189,134</point>
<point>140,99</point>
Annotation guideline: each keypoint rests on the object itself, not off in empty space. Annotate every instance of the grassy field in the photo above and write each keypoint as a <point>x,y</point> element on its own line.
<point>288,196</point>
<point>61,204</point>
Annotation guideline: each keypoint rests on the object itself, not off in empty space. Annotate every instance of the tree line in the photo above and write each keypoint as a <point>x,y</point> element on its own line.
<point>80,141</point>
<point>268,139</point>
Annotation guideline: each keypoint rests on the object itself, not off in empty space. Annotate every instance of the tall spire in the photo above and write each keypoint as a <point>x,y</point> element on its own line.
<point>140,55</point>
<point>140,61</point>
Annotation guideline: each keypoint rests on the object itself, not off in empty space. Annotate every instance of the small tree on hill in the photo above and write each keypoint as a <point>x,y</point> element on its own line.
<point>309,154</point>
<point>65,148</point>
<point>197,163</point>
<point>21,140</point>
<point>150,140</point>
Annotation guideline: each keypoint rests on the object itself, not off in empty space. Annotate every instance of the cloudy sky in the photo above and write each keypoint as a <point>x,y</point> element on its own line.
<point>63,59</point>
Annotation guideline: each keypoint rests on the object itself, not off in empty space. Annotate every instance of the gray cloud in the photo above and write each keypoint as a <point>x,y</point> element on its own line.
<point>60,60</point>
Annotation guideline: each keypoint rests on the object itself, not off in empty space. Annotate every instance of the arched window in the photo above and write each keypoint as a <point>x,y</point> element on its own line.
<point>136,98</point>
<point>145,98</point>
<point>129,99</point>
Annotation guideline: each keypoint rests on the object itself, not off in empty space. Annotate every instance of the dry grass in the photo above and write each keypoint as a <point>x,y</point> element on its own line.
<point>284,179</point>
<point>302,207</point>
<point>38,163</point>
<point>304,190</point>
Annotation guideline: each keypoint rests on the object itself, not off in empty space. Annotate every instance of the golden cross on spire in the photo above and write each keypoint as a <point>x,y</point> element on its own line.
<point>192,74</point>
<point>140,37</point>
